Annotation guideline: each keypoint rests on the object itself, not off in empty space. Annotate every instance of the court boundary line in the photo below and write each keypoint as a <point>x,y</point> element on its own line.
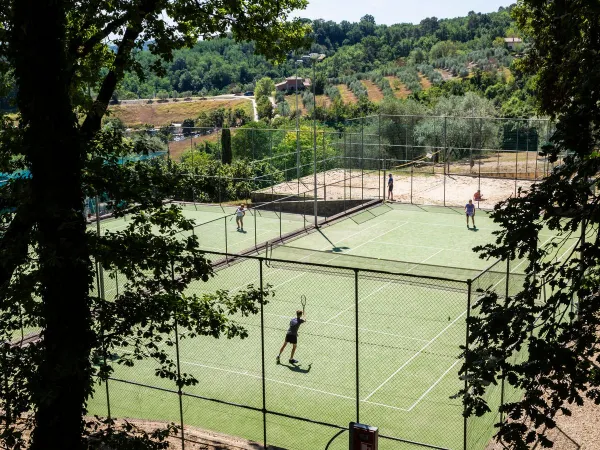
<point>433,385</point>
<point>287,383</point>
<point>416,354</point>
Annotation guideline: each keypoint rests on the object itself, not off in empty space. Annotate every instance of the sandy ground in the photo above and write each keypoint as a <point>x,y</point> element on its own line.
<point>423,189</point>
<point>580,431</point>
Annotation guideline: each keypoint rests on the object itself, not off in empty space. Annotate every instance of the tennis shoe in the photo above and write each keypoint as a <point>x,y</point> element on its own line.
<point>277,359</point>
<point>293,361</point>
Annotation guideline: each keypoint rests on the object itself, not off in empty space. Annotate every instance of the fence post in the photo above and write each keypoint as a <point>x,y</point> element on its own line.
<point>262,350</point>
<point>381,161</point>
<point>412,167</point>
<point>356,332</point>
<point>469,283</point>
<point>179,391</point>
<point>502,375</point>
<point>445,154</point>
<point>225,228</point>
<point>255,239</point>
<point>517,159</point>
<point>362,159</point>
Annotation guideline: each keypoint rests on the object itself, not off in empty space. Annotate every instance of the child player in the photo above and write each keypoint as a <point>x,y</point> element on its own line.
<point>391,188</point>
<point>292,335</point>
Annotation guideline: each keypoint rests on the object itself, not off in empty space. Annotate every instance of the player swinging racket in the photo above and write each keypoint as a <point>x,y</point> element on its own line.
<point>292,333</point>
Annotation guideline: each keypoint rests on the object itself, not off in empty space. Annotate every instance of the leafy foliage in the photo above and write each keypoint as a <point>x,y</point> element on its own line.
<point>552,323</point>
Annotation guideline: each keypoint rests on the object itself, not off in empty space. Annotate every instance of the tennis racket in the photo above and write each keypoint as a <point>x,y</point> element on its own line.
<point>303,301</point>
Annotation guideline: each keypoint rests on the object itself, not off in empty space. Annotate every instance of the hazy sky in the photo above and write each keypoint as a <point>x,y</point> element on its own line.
<point>397,11</point>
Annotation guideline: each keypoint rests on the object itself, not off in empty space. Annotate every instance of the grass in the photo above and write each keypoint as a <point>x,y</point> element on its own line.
<point>409,336</point>
<point>291,101</point>
<point>161,114</point>
<point>409,333</point>
<point>347,95</point>
<point>400,90</point>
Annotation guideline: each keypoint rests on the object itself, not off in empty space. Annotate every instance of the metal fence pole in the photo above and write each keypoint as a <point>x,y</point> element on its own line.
<point>517,160</point>
<point>262,349</point>
<point>362,159</point>
<point>469,283</point>
<point>412,167</point>
<point>225,228</point>
<point>445,154</point>
<point>255,237</point>
<point>356,332</point>
<point>179,391</point>
<point>381,161</point>
<point>502,375</point>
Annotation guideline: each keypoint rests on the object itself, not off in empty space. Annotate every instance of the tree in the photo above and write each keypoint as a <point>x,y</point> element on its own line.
<point>46,271</point>
<point>226,146</point>
<point>187,125</point>
<point>264,108</point>
<point>552,322</point>
<point>264,88</point>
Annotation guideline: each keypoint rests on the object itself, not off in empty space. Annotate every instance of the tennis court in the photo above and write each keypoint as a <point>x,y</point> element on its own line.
<point>408,329</point>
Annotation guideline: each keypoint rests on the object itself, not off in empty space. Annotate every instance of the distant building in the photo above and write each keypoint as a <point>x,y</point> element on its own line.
<point>512,42</point>
<point>290,84</point>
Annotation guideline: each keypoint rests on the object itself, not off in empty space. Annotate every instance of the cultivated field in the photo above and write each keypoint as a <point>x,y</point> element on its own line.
<point>375,94</point>
<point>400,90</point>
<point>161,114</point>
<point>347,95</point>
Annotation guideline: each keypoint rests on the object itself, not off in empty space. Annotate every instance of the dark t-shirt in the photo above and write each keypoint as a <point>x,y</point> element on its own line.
<point>294,325</point>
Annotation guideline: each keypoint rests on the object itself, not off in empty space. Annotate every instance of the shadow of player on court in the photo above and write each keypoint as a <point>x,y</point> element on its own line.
<point>295,368</point>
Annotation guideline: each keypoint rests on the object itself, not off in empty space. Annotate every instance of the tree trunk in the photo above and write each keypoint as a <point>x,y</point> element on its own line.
<point>56,156</point>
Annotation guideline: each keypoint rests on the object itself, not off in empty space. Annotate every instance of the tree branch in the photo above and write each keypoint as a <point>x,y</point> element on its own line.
<point>93,120</point>
<point>14,245</point>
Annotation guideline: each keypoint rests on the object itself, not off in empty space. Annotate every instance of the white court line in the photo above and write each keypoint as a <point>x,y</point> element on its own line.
<point>417,264</point>
<point>543,243</point>
<point>433,385</point>
<point>349,326</point>
<point>364,298</point>
<point>320,391</point>
<point>415,355</point>
<point>310,254</point>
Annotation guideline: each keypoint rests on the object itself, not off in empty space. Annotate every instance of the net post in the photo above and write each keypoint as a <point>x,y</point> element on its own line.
<point>469,287</point>
<point>262,350</point>
<point>356,332</point>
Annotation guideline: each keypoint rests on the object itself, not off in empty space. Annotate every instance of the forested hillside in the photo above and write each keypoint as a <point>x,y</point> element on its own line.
<point>365,64</point>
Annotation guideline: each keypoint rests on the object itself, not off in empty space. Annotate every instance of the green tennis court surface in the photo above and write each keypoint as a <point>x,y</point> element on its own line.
<point>409,332</point>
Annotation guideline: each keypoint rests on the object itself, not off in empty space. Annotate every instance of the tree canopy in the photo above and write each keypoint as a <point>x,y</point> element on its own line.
<point>48,256</point>
<point>552,323</point>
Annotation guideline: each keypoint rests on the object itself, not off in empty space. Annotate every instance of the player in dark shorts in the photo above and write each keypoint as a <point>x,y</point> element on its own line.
<point>391,188</point>
<point>470,212</point>
<point>292,335</point>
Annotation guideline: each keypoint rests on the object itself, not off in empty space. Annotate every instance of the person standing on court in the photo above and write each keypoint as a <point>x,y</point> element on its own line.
<point>470,211</point>
<point>391,188</point>
<point>292,336</point>
<point>239,217</point>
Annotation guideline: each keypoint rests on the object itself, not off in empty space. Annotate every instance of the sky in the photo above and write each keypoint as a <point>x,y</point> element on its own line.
<point>396,11</point>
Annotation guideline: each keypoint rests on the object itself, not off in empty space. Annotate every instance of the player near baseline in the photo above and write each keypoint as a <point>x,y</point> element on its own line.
<point>292,335</point>
<point>391,188</point>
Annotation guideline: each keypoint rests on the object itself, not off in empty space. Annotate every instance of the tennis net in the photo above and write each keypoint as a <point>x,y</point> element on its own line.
<point>337,258</point>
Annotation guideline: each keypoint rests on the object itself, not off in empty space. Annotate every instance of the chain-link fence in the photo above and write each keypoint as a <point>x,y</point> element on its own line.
<point>380,346</point>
